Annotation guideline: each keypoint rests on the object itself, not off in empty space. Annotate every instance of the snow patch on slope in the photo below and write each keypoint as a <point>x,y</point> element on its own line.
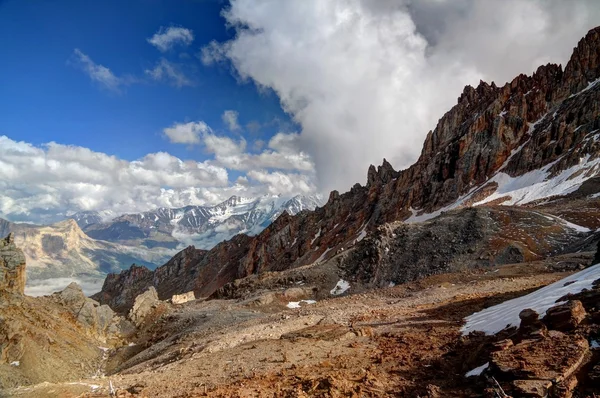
<point>537,184</point>
<point>496,318</point>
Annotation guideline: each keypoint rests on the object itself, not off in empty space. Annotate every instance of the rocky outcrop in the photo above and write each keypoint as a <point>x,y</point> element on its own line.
<point>565,317</point>
<point>12,267</point>
<point>545,120</point>
<point>143,306</point>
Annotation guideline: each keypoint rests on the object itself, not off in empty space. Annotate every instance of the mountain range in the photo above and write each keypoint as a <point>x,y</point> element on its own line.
<point>203,226</point>
<point>86,247</point>
<point>525,154</point>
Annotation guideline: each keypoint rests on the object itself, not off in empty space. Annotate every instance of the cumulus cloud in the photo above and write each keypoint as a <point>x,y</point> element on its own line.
<point>43,184</point>
<point>186,133</point>
<point>169,72</point>
<point>230,118</point>
<point>99,74</point>
<point>368,79</point>
<point>282,152</point>
<point>166,39</point>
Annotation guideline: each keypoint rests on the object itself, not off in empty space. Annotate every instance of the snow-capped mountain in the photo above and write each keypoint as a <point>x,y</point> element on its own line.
<point>203,226</point>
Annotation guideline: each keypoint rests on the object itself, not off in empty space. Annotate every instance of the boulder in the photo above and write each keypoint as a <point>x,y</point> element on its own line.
<point>99,319</point>
<point>12,267</point>
<point>565,317</point>
<point>143,306</point>
<point>183,298</point>
<point>532,388</point>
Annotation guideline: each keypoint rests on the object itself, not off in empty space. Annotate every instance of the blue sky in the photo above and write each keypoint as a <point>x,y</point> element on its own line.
<point>45,97</point>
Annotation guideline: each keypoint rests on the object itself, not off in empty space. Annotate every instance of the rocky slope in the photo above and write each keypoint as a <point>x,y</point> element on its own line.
<point>51,338</point>
<point>533,139</point>
<point>204,226</point>
<point>63,250</point>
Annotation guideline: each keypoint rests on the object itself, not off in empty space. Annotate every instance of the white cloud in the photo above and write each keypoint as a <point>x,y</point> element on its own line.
<point>368,79</point>
<point>38,182</point>
<point>283,183</point>
<point>166,39</point>
<point>170,73</point>
<point>41,184</point>
<point>230,118</point>
<point>186,133</point>
<point>99,74</point>
<point>283,150</point>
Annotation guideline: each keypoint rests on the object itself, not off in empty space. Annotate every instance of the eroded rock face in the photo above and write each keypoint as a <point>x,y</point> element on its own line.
<point>12,267</point>
<point>530,122</point>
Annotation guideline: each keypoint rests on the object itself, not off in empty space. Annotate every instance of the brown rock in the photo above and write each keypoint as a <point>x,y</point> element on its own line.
<point>502,345</point>
<point>531,327</point>
<point>529,359</point>
<point>12,267</point>
<point>565,388</point>
<point>565,317</point>
<point>532,388</point>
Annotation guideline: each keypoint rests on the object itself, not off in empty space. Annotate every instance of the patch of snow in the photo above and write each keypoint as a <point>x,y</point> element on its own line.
<point>477,371</point>
<point>596,195</point>
<point>296,304</point>
<point>594,344</point>
<point>323,255</point>
<point>501,114</point>
<point>361,235</point>
<point>132,344</point>
<point>15,363</point>
<point>340,288</point>
<point>316,236</point>
<point>536,185</point>
<point>496,318</point>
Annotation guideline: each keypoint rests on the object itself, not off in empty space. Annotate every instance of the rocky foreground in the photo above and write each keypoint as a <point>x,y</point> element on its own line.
<point>407,340</point>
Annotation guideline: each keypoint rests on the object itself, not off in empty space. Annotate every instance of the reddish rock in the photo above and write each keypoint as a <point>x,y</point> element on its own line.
<point>529,359</point>
<point>531,327</point>
<point>565,317</point>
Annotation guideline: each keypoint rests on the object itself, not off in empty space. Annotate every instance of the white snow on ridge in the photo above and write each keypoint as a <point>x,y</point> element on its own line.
<point>536,185</point>
<point>493,319</point>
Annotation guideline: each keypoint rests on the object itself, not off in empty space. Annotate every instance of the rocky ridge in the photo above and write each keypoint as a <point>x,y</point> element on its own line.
<point>545,123</point>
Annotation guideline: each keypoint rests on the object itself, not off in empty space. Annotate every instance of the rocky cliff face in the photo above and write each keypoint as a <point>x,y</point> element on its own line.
<point>12,267</point>
<point>492,145</point>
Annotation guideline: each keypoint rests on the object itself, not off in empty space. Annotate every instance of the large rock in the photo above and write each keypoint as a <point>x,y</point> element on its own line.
<point>529,359</point>
<point>12,267</point>
<point>565,317</point>
<point>100,321</point>
<point>143,306</point>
